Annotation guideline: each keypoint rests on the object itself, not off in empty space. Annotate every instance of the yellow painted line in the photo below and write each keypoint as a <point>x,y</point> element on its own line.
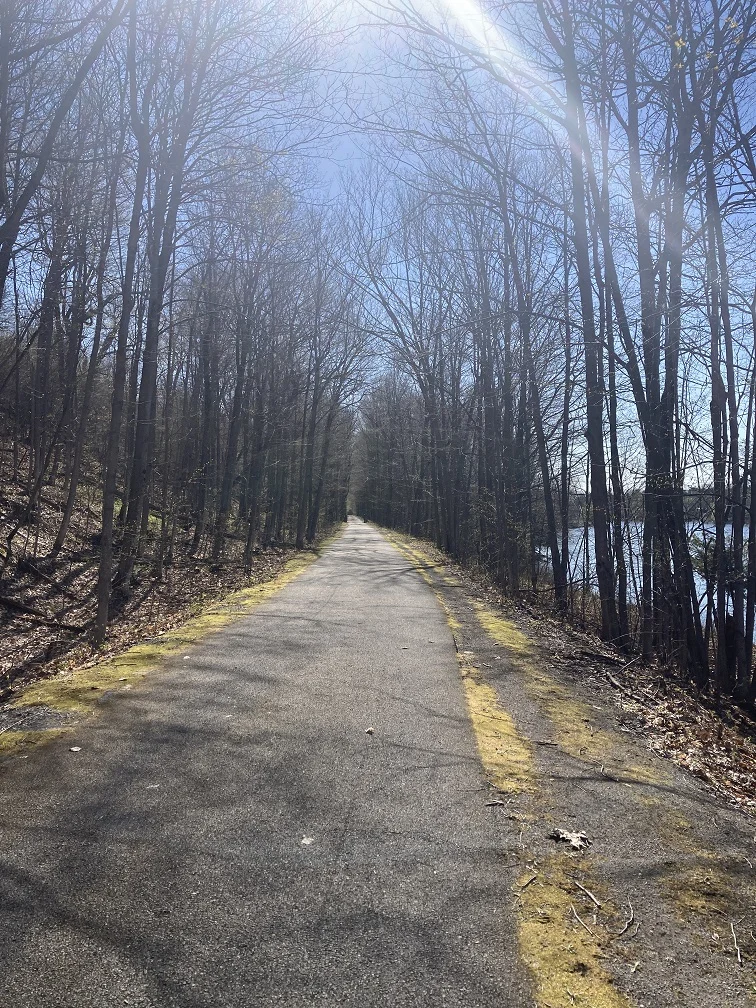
<point>564,957</point>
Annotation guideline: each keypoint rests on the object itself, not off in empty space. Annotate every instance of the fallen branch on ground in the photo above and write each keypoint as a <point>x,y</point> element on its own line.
<point>629,920</point>
<point>36,616</point>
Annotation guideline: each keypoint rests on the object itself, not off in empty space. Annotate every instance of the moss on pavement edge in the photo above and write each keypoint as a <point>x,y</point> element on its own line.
<point>78,693</point>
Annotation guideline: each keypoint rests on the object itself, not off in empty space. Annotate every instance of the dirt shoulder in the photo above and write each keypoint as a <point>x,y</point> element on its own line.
<point>649,899</point>
<point>48,598</point>
<point>56,696</point>
<point>56,638</point>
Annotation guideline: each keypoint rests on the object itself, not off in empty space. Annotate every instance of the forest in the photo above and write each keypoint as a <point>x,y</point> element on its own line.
<point>484,275</point>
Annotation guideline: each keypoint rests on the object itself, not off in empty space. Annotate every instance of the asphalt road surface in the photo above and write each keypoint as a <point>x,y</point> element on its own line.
<point>231,835</point>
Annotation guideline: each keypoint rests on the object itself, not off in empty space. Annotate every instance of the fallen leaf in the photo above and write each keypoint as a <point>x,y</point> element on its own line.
<point>578,841</point>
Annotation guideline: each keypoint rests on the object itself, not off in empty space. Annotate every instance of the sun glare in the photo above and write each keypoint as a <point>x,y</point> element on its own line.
<point>488,36</point>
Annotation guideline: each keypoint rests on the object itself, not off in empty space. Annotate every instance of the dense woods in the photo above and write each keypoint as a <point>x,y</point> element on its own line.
<point>562,275</point>
<point>177,347</point>
<point>524,327</point>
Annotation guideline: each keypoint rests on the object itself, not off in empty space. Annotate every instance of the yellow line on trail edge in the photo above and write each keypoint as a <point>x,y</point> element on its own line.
<point>506,756</point>
<point>563,954</point>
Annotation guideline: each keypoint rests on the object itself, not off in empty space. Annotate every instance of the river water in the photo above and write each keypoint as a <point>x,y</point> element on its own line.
<point>582,557</point>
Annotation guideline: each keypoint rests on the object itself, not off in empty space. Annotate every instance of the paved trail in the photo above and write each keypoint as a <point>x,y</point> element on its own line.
<point>229,835</point>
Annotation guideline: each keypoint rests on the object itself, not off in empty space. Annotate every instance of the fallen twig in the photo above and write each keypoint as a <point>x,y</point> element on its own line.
<point>608,776</point>
<point>629,920</point>
<point>581,922</point>
<point>587,892</point>
<point>33,569</point>
<point>600,656</point>
<point>631,662</point>
<point>616,683</point>
<point>35,616</point>
<point>735,942</point>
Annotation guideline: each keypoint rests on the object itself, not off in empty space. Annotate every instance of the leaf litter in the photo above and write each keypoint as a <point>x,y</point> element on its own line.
<point>577,841</point>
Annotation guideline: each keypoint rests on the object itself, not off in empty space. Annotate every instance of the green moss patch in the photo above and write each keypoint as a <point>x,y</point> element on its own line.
<point>565,957</point>
<point>505,754</point>
<point>573,724</point>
